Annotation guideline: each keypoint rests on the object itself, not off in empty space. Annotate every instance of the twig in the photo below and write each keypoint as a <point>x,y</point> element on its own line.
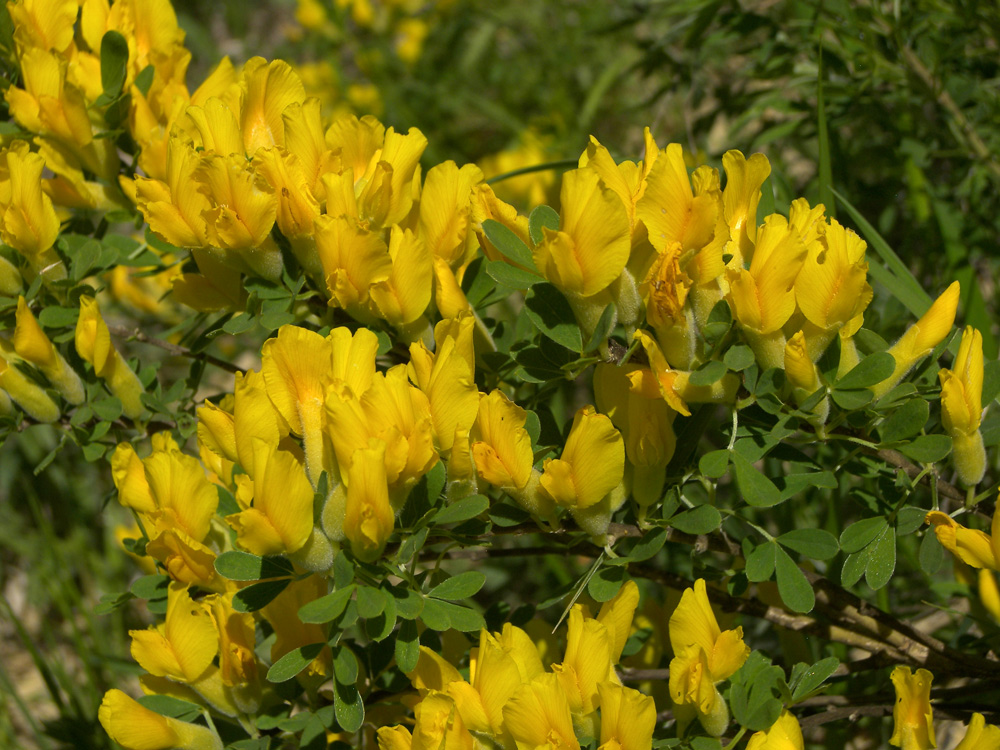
<point>178,351</point>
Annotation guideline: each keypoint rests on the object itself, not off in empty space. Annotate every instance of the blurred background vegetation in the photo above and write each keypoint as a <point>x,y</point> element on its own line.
<point>905,93</point>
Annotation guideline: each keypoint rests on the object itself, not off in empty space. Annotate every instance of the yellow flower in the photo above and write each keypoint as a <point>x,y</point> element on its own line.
<point>93,344</point>
<point>784,734</point>
<point>832,287</point>
<point>394,738</point>
<point>447,378</point>
<point>921,337</point>
<point>354,259</point>
<point>185,560</point>
<point>803,376</point>
<point>763,298</point>
<point>368,516</point>
<point>587,662</point>
<point>744,178</point>
<point>913,721</point>
<point>962,408</point>
<point>438,724</point>
<point>980,735</point>
<point>174,211</point>
<point>33,400</point>
<point>973,547</point>
<point>675,386</point>
<point>591,466</point>
<point>135,727</point>
<point>184,646</point>
<point>494,676</point>
<point>403,297</point>
<point>538,716</point>
<point>184,498</point>
<point>503,451</point>
<point>31,343</point>
<point>46,24</point>
<point>672,213</point>
<point>646,425</point>
<point>296,367</point>
<point>446,211</point>
<point>665,289</point>
<point>616,615</point>
<point>30,224</point>
<point>592,245</point>
<point>703,656</point>
<point>281,517</point>
<point>627,718</point>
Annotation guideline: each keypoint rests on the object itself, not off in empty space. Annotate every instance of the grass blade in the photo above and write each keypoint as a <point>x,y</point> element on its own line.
<point>825,175</point>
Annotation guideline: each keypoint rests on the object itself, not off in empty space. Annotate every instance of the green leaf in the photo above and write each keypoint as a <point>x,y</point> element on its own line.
<point>881,559</point>
<point>908,420</point>
<point>795,589</point>
<point>150,587</point>
<point>407,647</point>
<point>760,562</point>
<point>144,79</point>
<point>931,555</point>
<point>86,256</point>
<point>542,216</point>
<point>603,329</point>
<point>508,243</point>
<point>461,586</point>
<point>345,665</point>
<point>859,535</point>
<point>701,520</point>
<point>326,608</point>
<point>294,662</point>
<point>852,400</point>
<point>854,568</point>
<point>348,707</point>
<point>709,373</point>
<point>806,679</point>
<point>753,696</point>
<point>757,490</point>
<point>242,566</point>
<point>107,409</point>
<point>343,571</point>
<point>462,510</point>
<point>173,708</point>
<point>114,63</point>
<point>792,484</point>
<point>463,618</point>
<point>435,615</point>
<point>371,601</point>
<point>909,519</point>
<point>714,464</point>
<point>408,602</point>
<point>606,582</point>
<point>258,595</point>
<point>648,545</point>
<point>738,357</point>
<point>412,545</point>
<point>58,317</point>
<point>548,309</point>
<point>870,371</point>
<point>927,449</point>
<point>510,276</point>
<point>815,544</point>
